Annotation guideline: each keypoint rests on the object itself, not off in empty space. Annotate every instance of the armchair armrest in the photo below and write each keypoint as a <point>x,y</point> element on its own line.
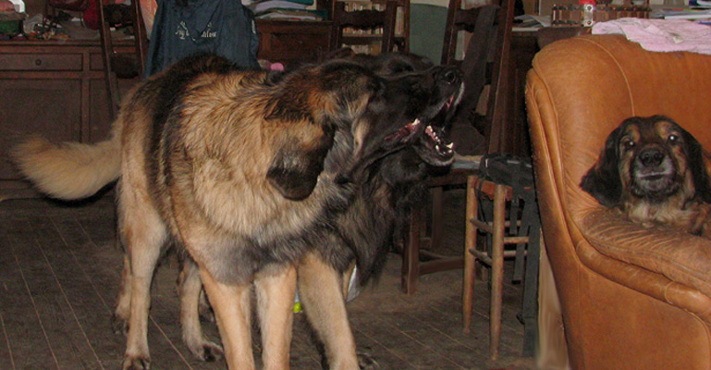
<point>669,265</point>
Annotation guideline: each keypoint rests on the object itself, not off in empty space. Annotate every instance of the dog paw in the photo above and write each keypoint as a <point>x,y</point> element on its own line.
<point>367,362</point>
<point>207,351</point>
<point>139,363</point>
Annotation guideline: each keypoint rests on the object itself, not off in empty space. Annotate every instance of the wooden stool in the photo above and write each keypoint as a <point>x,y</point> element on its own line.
<point>519,224</point>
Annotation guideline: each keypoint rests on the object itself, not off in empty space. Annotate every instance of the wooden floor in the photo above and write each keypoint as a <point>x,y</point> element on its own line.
<point>59,274</point>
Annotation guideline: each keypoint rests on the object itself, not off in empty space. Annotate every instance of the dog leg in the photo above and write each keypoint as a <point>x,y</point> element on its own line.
<point>275,300</point>
<point>144,235</point>
<point>233,312</point>
<point>119,322</point>
<point>143,263</point>
<point>320,290</point>
<point>190,288</point>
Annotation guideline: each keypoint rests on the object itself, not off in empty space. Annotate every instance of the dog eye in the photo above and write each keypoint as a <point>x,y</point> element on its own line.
<point>629,144</point>
<point>673,138</point>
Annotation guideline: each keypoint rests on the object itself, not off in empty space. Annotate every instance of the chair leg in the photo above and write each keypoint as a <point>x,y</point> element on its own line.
<point>107,51</point>
<point>529,310</point>
<point>497,270</point>
<point>140,38</point>
<point>411,254</point>
<point>437,218</point>
<point>470,236</point>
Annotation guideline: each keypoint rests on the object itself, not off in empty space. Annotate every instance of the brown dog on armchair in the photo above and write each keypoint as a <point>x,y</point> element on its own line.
<point>653,171</point>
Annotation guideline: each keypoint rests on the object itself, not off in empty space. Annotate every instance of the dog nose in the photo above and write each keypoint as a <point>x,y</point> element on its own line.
<point>651,157</point>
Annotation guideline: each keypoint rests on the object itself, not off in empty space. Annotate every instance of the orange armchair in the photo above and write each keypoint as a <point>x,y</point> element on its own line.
<point>631,298</point>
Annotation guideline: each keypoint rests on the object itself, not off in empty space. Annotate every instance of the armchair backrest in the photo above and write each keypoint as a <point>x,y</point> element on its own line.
<point>593,83</point>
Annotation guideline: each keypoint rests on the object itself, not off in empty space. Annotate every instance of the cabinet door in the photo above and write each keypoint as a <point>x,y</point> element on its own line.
<point>99,122</point>
<point>40,107</point>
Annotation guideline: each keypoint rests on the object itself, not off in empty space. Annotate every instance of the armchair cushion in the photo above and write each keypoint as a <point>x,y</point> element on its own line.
<point>679,256</point>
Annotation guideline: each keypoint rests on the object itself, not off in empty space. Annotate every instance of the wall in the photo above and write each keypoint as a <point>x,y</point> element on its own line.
<point>427,24</point>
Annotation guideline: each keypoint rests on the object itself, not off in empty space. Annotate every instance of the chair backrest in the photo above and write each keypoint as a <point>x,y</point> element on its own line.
<point>486,61</point>
<point>366,20</point>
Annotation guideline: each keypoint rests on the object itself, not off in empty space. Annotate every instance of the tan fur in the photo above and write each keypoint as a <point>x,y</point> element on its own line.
<point>245,171</point>
<point>218,194</point>
<point>318,282</point>
<point>68,170</point>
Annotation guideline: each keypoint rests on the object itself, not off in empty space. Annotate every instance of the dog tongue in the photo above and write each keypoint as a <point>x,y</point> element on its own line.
<point>404,131</point>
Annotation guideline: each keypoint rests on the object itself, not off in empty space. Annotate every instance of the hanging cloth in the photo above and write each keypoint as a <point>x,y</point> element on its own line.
<point>185,27</point>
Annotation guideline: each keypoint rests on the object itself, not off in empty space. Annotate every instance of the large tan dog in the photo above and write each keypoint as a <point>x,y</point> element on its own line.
<point>238,168</point>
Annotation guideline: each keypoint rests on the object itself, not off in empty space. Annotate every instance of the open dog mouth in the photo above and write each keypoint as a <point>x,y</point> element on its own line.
<point>432,136</point>
<point>427,132</point>
<point>424,133</point>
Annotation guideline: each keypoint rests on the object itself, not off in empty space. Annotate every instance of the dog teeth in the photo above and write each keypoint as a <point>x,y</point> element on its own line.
<point>431,133</point>
<point>450,145</point>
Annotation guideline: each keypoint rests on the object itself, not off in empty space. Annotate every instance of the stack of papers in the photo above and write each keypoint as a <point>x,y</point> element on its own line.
<point>700,3</point>
<point>285,9</point>
<point>696,12</point>
<point>529,22</point>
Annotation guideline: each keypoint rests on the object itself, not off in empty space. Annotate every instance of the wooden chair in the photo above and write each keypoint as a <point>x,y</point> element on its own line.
<point>486,62</point>
<point>502,196</point>
<point>371,21</point>
<point>512,218</point>
<point>110,56</point>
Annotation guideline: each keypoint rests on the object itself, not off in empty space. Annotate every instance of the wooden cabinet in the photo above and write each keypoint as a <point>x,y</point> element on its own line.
<point>53,89</point>
<point>290,42</point>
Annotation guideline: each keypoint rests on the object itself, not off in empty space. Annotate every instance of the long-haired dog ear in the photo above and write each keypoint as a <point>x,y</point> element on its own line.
<point>295,168</point>
<point>695,157</point>
<point>603,181</point>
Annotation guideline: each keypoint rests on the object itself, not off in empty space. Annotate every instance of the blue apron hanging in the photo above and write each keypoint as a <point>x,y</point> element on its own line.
<point>182,28</point>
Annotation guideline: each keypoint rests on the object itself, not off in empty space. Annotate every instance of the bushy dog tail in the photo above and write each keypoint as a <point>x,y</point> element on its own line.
<point>69,170</point>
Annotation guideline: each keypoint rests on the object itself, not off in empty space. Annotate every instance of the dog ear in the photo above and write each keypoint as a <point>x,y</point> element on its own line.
<point>603,181</point>
<point>295,168</point>
<point>695,156</point>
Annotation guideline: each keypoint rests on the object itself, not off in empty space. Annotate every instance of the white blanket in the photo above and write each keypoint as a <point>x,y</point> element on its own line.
<point>664,35</point>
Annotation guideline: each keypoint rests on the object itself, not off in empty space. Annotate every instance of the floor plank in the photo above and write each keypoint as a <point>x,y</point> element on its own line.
<point>59,279</point>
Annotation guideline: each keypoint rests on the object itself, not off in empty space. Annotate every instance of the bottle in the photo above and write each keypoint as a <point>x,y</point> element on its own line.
<point>19,5</point>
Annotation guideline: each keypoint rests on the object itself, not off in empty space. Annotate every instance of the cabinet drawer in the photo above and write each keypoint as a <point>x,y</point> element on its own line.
<point>303,43</point>
<point>41,62</point>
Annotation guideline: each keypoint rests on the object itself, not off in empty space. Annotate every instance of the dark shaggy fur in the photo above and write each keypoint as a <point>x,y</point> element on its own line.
<point>653,171</point>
